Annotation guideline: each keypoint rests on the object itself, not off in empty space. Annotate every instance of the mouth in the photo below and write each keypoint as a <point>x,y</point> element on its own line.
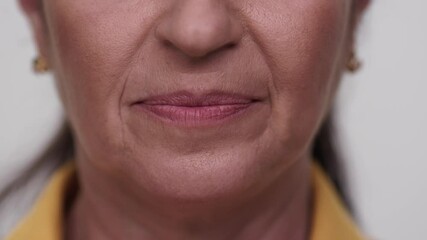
<point>191,110</point>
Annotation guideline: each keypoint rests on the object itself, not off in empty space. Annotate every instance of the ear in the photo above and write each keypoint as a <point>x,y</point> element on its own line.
<point>363,4</point>
<point>359,8</point>
<point>34,13</point>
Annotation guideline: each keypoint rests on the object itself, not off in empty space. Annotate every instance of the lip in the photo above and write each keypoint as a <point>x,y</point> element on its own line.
<point>187,109</point>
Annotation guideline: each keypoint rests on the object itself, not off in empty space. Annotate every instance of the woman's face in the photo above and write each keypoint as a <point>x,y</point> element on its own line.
<point>268,69</point>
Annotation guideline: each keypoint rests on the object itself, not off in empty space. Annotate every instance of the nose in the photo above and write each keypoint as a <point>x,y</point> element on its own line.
<point>198,28</point>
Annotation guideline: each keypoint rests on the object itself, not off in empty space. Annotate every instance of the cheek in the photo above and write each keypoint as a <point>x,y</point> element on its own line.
<point>93,55</point>
<point>302,43</point>
<point>92,49</point>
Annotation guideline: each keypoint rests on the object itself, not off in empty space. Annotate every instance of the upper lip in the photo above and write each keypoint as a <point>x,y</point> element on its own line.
<point>189,99</point>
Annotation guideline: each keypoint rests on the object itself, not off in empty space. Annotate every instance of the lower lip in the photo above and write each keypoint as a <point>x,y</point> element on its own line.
<point>195,115</point>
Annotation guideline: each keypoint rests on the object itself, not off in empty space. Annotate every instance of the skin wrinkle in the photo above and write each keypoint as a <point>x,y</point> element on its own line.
<point>120,102</point>
<point>122,130</point>
<point>252,35</point>
<point>144,178</point>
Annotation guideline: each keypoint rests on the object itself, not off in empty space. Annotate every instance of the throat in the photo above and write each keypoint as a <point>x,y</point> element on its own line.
<point>281,211</point>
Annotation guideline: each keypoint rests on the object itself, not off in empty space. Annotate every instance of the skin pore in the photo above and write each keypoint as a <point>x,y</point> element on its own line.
<point>143,178</point>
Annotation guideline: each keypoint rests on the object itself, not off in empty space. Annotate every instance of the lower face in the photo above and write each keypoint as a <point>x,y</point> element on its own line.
<point>282,75</point>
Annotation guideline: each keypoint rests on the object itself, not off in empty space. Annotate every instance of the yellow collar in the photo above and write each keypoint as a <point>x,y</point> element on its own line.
<point>331,221</point>
<point>44,222</point>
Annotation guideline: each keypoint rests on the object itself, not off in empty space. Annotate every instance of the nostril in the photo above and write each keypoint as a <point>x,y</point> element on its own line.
<point>230,45</point>
<point>197,49</point>
<point>168,43</point>
<point>199,28</point>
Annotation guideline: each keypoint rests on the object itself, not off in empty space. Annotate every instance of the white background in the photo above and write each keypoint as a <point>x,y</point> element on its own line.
<point>383,114</point>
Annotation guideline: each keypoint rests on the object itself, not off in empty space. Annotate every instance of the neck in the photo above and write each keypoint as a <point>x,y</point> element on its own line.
<point>104,209</point>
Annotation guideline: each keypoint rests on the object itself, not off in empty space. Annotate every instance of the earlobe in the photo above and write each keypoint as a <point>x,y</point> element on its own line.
<point>362,5</point>
<point>34,13</point>
<point>29,5</point>
<point>359,8</point>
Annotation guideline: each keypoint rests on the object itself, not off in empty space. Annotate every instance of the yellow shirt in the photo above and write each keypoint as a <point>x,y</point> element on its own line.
<point>44,222</point>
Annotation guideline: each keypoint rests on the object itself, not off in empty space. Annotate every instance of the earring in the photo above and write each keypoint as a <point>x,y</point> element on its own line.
<point>353,63</point>
<point>40,65</point>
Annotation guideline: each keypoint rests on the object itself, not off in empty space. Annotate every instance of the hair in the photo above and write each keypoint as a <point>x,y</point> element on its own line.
<point>327,153</point>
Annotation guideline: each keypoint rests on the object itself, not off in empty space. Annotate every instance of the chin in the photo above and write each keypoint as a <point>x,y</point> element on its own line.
<point>206,177</point>
<point>229,174</point>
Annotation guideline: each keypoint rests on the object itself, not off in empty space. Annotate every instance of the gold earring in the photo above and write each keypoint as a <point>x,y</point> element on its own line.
<point>353,63</point>
<point>40,65</point>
